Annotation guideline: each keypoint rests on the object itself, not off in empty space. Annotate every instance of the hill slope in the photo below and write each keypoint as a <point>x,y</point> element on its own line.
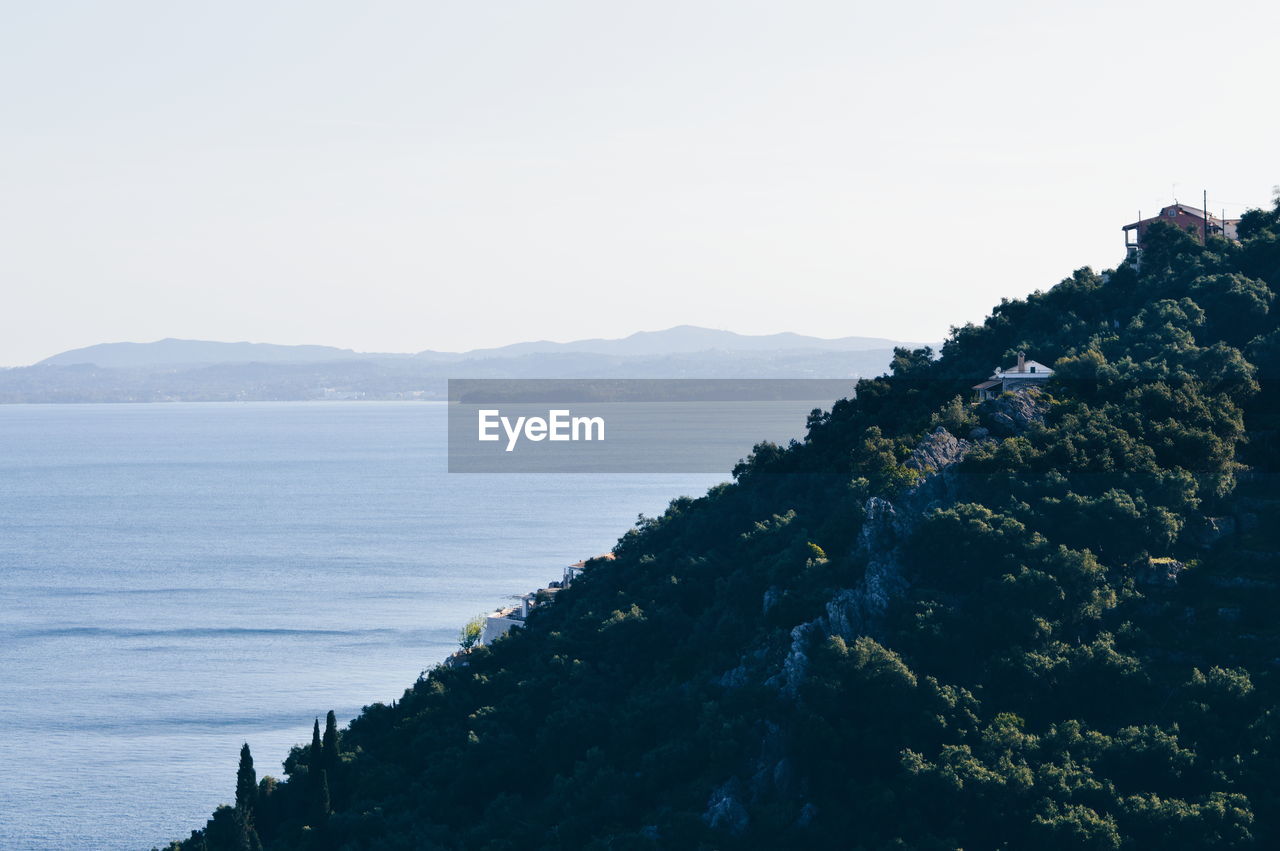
<point>1041,622</point>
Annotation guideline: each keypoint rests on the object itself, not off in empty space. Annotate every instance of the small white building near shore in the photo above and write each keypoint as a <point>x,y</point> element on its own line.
<point>499,623</point>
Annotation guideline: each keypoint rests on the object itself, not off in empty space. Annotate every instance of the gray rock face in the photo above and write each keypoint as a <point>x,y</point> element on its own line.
<point>1158,572</point>
<point>881,530</point>
<point>725,810</point>
<point>774,776</point>
<point>796,664</point>
<point>748,670</point>
<point>936,455</point>
<point>860,610</point>
<point>770,599</point>
<point>734,677</point>
<point>1014,412</point>
<point>938,450</point>
<point>1213,530</point>
<point>852,611</point>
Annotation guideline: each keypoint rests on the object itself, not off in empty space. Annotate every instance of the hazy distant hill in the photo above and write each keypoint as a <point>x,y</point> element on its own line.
<point>198,371</point>
<point>687,339</point>
<point>682,339</point>
<point>171,352</point>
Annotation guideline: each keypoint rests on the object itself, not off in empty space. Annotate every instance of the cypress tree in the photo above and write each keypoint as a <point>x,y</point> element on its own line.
<point>314,763</point>
<point>330,759</point>
<point>246,784</point>
<point>320,800</point>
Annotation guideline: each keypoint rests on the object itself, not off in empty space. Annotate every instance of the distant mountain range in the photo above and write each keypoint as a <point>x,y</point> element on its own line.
<point>682,339</point>
<point>201,370</point>
<point>687,339</point>
<point>171,352</point>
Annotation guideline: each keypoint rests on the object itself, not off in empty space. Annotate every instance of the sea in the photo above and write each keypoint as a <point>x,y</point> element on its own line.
<point>178,579</point>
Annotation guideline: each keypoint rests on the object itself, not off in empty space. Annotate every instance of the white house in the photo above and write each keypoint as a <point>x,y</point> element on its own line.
<point>1026,374</point>
<point>499,623</point>
<point>572,572</point>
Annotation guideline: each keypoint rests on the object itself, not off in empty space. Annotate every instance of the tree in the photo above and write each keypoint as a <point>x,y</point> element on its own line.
<point>329,758</point>
<point>876,459</point>
<point>315,763</point>
<point>320,799</point>
<point>471,631</point>
<point>316,747</point>
<point>246,784</point>
<point>1236,306</point>
<point>228,830</point>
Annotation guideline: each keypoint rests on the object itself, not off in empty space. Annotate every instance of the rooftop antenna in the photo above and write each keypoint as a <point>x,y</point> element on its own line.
<point>1205,210</point>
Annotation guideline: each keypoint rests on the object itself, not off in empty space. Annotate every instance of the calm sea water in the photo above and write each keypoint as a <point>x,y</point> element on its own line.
<point>178,579</point>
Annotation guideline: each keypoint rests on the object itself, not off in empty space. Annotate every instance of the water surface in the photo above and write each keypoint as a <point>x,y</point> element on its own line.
<point>178,579</point>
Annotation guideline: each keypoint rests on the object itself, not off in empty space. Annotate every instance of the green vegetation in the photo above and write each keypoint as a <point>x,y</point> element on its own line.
<point>1045,621</point>
<point>471,631</point>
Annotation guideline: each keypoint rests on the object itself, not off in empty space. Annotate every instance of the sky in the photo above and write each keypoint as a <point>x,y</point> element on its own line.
<point>431,175</point>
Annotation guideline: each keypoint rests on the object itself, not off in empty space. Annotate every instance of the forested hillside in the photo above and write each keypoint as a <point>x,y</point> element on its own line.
<point>1045,621</point>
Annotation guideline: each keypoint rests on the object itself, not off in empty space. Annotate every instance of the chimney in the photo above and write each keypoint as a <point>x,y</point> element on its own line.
<point>1022,361</point>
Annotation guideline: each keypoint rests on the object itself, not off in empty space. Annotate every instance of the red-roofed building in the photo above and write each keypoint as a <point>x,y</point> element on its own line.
<point>1191,219</point>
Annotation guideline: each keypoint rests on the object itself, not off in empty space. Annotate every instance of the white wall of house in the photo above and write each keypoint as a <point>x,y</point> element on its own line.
<point>497,625</point>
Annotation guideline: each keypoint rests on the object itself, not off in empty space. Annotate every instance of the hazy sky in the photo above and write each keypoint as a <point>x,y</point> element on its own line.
<point>403,176</point>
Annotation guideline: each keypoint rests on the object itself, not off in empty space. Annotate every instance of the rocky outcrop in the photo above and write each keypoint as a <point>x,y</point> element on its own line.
<point>725,810</point>
<point>1212,530</point>
<point>853,611</point>
<point>1014,412</point>
<point>795,665</point>
<point>771,598</point>
<point>935,456</point>
<point>772,778</point>
<point>1158,572</point>
<point>850,613</point>
<point>938,450</point>
<point>857,611</point>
